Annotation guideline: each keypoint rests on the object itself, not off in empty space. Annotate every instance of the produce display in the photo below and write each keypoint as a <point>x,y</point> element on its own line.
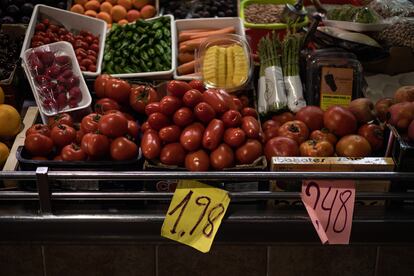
<point>199,8</point>
<point>115,11</point>
<point>150,51</point>
<point>353,14</point>
<point>9,54</point>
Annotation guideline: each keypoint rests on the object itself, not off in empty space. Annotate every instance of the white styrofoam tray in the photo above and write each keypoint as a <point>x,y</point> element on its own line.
<point>158,74</point>
<point>73,22</point>
<point>67,49</point>
<point>205,23</point>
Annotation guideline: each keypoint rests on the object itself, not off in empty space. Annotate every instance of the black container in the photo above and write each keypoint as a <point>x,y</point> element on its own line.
<point>402,152</point>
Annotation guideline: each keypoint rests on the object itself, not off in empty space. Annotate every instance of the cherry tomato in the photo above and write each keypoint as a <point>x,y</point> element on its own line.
<point>183,117</point>
<point>38,144</point>
<point>123,149</point>
<point>340,121</point>
<point>145,126</point>
<point>100,84</point>
<point>248,111</point>
<point>170,104</point>
<point>197,84</point>
<point>249,152</point>
<point>72,152</point>
<point>152,108</point>
<point>314,148</point>
<point>250,126</point>
<point>170,134</point>
<point>237,103</point>
<point>197,161</point>
<point>178,88</point>
<point>173,154</point>
<point>150,144</point>
<point>192,97</point>
<point>192,136</point>
<point>158,120</point>
<point>353,146</point>
<point>295,130</point>
<point>63,135</point>
<point>234,137</point>
<point>231,118</point>
<point>133,129</point>
<point>281,146</point>
<point>106,104</point>
<point>323,134</point>
<point>38,128</point>
<point>213,134</point>
<point>312,116</point>
<point>284,117</point>
<point>61,118</point>
<point>215,100</point>
<point>222,157</point>
<point>244,100</point>
<point>204,112</point>
<point>113,125</point>
<point>141,95</point>
<point>90,123</point>
<point>117,90</point>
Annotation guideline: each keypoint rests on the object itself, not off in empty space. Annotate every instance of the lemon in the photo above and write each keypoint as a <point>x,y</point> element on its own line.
<point>1,96</point>
<point>4,153</point>
<point>10,121</point>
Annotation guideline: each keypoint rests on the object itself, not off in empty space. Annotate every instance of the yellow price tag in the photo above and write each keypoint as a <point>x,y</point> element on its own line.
<point>195,214</point>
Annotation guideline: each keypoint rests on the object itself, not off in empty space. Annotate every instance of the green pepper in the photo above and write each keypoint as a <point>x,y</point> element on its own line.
<point>159,50</point>
<point>151,52</point>
<point>164,44</point>
<point>144,56</point>
<point>118,69</point>
<point>158,34</point>
<point>141,30</point>
<point>166,32</point>
<point>157,24</point>
<point>108,56</point>
<point>129,70</point>
<point>150,41</point>
<point>134,60</point>
<point>144,66</point>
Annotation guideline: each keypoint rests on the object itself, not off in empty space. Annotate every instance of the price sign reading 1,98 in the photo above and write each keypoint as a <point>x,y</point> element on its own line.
<point>195,214</point>
<point>330,205</point>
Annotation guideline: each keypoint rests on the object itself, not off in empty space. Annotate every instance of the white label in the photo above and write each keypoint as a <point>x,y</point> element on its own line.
<point>294,93</point>
<point>262,104</point>
<point>275,90</point>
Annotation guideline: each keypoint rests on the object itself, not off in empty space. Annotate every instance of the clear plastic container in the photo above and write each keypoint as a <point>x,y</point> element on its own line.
<point>224,62</point>
<point>56,79</point>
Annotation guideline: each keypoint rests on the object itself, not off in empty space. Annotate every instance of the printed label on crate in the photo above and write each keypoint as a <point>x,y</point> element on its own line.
<point>195,214</point>
<point>330,205</point>
<point>336,86</point>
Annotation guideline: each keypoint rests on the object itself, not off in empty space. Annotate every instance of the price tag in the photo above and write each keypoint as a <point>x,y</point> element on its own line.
<point>330,205</point>
<point>195,214</point>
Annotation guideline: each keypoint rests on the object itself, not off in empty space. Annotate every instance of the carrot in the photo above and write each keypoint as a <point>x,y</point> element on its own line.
<point>192,44</point>
<point>184,57</point>
<point>186,68</point>
<point>189,36</point>
<point>195,31</point>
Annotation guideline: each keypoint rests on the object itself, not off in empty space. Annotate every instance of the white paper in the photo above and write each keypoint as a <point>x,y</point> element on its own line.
<point>294,91</point>
<point>275,95</point>
<point>261,103</point>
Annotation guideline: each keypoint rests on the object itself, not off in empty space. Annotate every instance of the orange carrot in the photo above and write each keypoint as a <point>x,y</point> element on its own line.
<point>192,44</point>
<point>186,68</point>
<point>184,57</point>
<point>195,31</point>
<point>189,36</point>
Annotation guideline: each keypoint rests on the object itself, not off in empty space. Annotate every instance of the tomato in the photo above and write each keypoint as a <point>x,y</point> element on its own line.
<point>222,157</point>
<point>382,106</point>
<point>62,118</point>
<point>40,158</point>
<point>197,161</point>
<point>183,117</point>
<point>141,95</point>
<point>250,126</point>
<point>113,125</point>
<point>173,154</point>
<point>312,116</point>
<point>237,103</point>
<point>192,97</point>
<point>133,129</point>
<point>249,152</point>
<point>90,122</point>
<point>216,100</point>
<point>270,124</point>
<point>122,149</point>
<point>271,132</point>
<point>99,85</point>
<point>38,144</point>
<point>117,90</point>
<point>244,100</point>
<point>150,144</point>
<point>204,112</point>
<point>158,120</point>
<point>234,137</point>
<point>231,118</point>
<point>126,115</point>
<point>178,88</point>
<point>106,104</point>
<point>63,135</point>
<point>197,84</point>
<point>170,104</point>
<point>340,121</point>
<point>79,136</point>
<point>314,148</point>
<point>353,146</point>
<point>58,158</point>
<point>374,135</point>
<point>213,134</point>
<point>145,126</point>
<point>284,117</point>
<point>72,152</point>
<point>323,134</point>
<point>95,145</point>
<point>192,136</point>
<point>248,111</point>
<point>152,108</point>
<point>170,134</point>
<point>38,128</point>
<point>281,146</point>
<point>295,130</point>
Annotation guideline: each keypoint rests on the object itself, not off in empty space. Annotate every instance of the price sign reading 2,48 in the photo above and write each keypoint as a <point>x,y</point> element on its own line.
<point>330,205</point>
<point>195,214</point>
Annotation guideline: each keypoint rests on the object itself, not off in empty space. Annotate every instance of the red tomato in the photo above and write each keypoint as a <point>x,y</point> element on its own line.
<point>178,88</point>
<point>126,115</point>
<point>312,116</point>
<point>295,130</point>
<point>323,134</point>
<point>237,103</point>
<point>284,117</point>
<point>183,117</point>
<point>213,134</point>
<point>222,157</point>
<point>170,104</point>
<point>151,144</point>
<point>38,144</point>
<point>374,135</point>
<point>248,111</point>
<point>197,84</point>
<point>106,104</point>
<point>123,149</point>
<point>231,118</point>
<point>145,126</point>
<point>113,125</point>
<point>62,118</point>
<point>192,97</point>
<point>271,132</point>
<point>152,108</point>
<point>314,148</point>
<point>192,136</point>
<point>40,158</point>
<point>117,90</point>
<point>95,145</point>
<point>90,123</point>
<point>63,135</point>
<point>170,134</point>
<point>204,112</point>
<point>250,126</point>
<point>234,137</point>
<point>133,129</point>
<point>100,84</point>
<point>79,136</point>
<point>58,158</point>
<point>340,121</point>
<point>173,154</point>
<point>353,146</point>
<point>270,124</point>
<point>281,146</point>
<point>249,152</point>
<point>140,96</point>
<point>72,152</point>
<point>38,128</point>
<point>244,100</point>
<point>216,100</point>
<point>158,120</point>
<point>197,161</point>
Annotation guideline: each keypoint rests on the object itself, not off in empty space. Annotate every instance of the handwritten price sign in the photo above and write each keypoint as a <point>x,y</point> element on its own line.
<point>330,205</point>
<point>195,214</point>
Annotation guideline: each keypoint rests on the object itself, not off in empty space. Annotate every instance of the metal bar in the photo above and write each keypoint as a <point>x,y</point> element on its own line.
<point>43,190</point>
<point>18,175</point>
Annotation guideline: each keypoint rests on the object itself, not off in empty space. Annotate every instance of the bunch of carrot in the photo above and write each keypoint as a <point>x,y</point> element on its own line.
<point>189,41</point>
